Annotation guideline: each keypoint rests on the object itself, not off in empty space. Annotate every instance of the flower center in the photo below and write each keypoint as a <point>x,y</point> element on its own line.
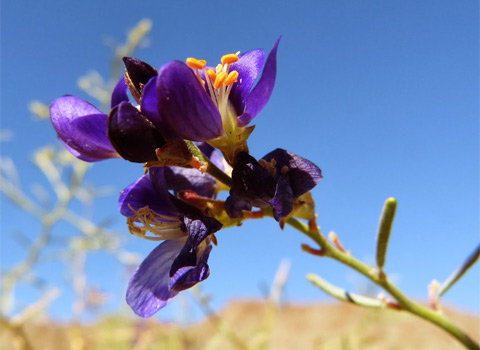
<point>218,83</point>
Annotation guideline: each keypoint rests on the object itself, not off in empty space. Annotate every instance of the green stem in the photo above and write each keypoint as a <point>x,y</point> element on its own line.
<point>372,274</point>
<point>212,169</point>
<point>218,174</point>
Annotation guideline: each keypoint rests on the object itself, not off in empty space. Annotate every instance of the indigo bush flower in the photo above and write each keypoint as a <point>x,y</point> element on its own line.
<point>188,101</point>
<point>180,261</point>
<point>201,103</point>
<point>276,180</point>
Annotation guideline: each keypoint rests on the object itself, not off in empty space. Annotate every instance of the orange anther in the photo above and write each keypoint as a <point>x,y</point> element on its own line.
<point>219,79</point>
<point>211,73</point>
<point>230,58</point>
<point>231,78</point>
<point>195,64</point>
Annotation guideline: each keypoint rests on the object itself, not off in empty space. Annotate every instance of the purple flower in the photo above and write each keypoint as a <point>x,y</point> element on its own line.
<point>199,103</point>
<point>82,128</point>
<point>180,261</point>
<point>181,101</point>
<point>126,132</point>
<point>276,180</point>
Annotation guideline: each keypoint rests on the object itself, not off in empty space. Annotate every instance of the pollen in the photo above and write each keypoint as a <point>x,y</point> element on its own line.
<point>195,64</point>
<point>212,75</point>
<point>219,80</point>
<point>231,78</point>
<point>229,59</point>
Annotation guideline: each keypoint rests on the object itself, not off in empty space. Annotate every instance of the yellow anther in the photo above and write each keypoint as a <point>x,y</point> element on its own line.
<point>230,58</point>
<point>212,75</point>
<point>195,64</point>
<point>231,78</point>
<point>219,79</point>
<point>218,68</point>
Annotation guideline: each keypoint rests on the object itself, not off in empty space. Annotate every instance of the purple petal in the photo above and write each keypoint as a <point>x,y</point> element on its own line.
<point>119,93</point>
<point>303,174</point>
<point>189,275</point>
<point>142,193</point>
<point>248,66</point>
<point>282,203</point>
<point>184,104</point>
<point>82,127</point>
<point>199,227</point>
<point>182,179</point>
<point>260,94</point>
<point>148,289</point>
<point>149,108</point>
<point>214,156</point>
<point>133,136</point>
<point>190,267</point>
<point>234,205</point>
<point>78,155</point>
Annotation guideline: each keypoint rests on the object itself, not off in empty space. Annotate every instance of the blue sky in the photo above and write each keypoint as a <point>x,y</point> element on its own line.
<point>382,95</point>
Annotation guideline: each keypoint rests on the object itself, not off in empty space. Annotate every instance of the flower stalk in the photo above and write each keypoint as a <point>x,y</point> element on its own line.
<point>404,302</point>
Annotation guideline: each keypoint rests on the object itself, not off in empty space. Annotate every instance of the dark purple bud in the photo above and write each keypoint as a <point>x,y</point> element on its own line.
<point>235,205</point>
<point>132,135</point>
<point>252,183</point>
<point>137,74</point>
<point>302,174</point>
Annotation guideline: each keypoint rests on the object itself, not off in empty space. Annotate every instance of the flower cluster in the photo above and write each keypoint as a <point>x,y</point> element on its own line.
<point>180,116</point>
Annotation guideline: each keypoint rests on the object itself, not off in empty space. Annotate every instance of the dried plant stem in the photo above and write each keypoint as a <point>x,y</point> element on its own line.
<point>382,281</point>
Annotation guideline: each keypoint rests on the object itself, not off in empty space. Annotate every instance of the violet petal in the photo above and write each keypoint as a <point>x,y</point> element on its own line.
<point>149,108</point>
<point>148,289</point>
<point>142,193</point>
<point>182,179</point>
<point>199,227</point>
<point>119,93</point>
<point>82,127</point>
<point>234,205</point>
<point>134,137</point>
<point>260,94</point>
<point>189,275</point>
<point>184,105</point>
<point>248,66</point>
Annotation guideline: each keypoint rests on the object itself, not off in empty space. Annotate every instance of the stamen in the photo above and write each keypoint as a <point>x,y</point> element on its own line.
<point>218,68</point>
<point>284,169</point>
<point>229,59</point>
<point>211,74</point>
<point>214,239</point>
<point>219,79</point>
<point>195,64</point>
<point>231,78</point>
<point>146,220</point>
<point>209,78</point>
<point>270,166</point>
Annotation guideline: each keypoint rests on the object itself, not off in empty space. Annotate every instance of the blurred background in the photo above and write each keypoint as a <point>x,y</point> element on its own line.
<point>382,96</point>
